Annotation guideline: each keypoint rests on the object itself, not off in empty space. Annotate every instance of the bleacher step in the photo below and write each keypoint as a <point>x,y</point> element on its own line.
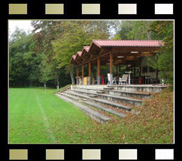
<point>100,92</point>
<point>108,88</point>
<point>135,94</point>
<point>105,109</point>
<point>93,114</point>
<point>114,98</point>
<point>70,96</point>
<point>128,100</point>
<point>110,103</point>
<point>144,88</point>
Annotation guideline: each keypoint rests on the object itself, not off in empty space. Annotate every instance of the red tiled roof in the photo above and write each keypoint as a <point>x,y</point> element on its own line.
<point>118,43</point>
<point>79,53</point>
<point>140,43</point>
<point>74,57</point>
<point>86,48</point>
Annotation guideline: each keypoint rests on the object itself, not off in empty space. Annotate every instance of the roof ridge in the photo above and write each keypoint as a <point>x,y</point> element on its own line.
<point>94,41</point>
<point>123,40</point>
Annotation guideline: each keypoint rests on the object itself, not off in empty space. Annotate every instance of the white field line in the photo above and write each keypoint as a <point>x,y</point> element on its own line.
<point>46,122</point>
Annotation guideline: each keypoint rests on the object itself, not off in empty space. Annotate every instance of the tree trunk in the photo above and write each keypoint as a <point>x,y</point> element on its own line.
<point>72,77</point>
<point>57,83</point>
<point>149,35</point>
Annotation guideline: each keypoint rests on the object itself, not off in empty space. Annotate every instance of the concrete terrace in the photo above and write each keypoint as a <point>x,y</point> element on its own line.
<point>102,102</point>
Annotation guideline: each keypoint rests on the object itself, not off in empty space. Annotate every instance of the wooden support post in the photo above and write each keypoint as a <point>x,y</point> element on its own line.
<point>82,72</point>
<point>89,72</point>
<point>89,68</point>
<point>117,70</point>
<point>98,70</point>
<point>77,75</point>
<point>111,65</point>
<point>77,71</point>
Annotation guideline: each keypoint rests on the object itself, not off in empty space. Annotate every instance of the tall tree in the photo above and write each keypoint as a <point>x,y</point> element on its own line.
<point>164,60</point>
<point>124,29</point>
<point>75,35</point>
<point>44,55</point>
<point>44,33</point>
<point>20,58</point>
<point>134,30</point>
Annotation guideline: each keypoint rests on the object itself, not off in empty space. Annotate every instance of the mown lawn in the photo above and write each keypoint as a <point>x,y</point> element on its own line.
<point>36,116</point>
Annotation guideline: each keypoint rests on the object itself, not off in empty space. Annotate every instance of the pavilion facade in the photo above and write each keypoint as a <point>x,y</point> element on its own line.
<point>131,53</point>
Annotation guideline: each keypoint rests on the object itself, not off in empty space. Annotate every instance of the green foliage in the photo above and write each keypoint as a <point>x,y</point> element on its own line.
<point>125,28</point>
<point>21,59</point>
<point>59,40</point>
<point>44,55</point>
<point>45,70</point>
<point>75,36</point>
<point>164,59</point>
<point>140,31</point>
<point>134,30</point>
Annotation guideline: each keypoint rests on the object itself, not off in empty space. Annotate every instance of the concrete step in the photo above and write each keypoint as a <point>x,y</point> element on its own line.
<point>111,97</point>
<point>99,106</point>
<point>110,103</point>
<point>108,88</point>
<point>121,99</point>
<point>70,96</point>
<point>86,93</point>
<point>71,92</point>
<point>145,88</point>
<point>87,89</point>
<point>90,87</point>
<point>101,91</point>
<point>134,94</point>
<point>140,95</point>
<point>93,114</point>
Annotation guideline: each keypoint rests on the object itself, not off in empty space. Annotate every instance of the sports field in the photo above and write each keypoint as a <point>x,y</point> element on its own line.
<point>37,116</point>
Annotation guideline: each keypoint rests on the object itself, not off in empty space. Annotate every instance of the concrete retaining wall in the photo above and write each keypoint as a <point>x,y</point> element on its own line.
<point>144,88</point>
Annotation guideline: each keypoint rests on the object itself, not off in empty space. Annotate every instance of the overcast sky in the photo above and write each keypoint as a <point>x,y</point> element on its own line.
<point>25,25</point>
<point>21,24</point>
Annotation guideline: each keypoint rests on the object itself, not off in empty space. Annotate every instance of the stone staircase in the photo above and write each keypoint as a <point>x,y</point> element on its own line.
<point>94,114</point>
<point>103,103</point>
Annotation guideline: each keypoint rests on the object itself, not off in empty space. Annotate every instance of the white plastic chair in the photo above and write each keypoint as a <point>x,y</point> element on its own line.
<point>124,79</point>
<point>109,79</point>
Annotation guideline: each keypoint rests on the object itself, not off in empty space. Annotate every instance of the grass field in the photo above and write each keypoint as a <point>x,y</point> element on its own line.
<point>36,116</point>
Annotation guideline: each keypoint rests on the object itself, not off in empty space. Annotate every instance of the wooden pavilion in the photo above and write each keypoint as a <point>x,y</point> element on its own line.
<point>114,52</point>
